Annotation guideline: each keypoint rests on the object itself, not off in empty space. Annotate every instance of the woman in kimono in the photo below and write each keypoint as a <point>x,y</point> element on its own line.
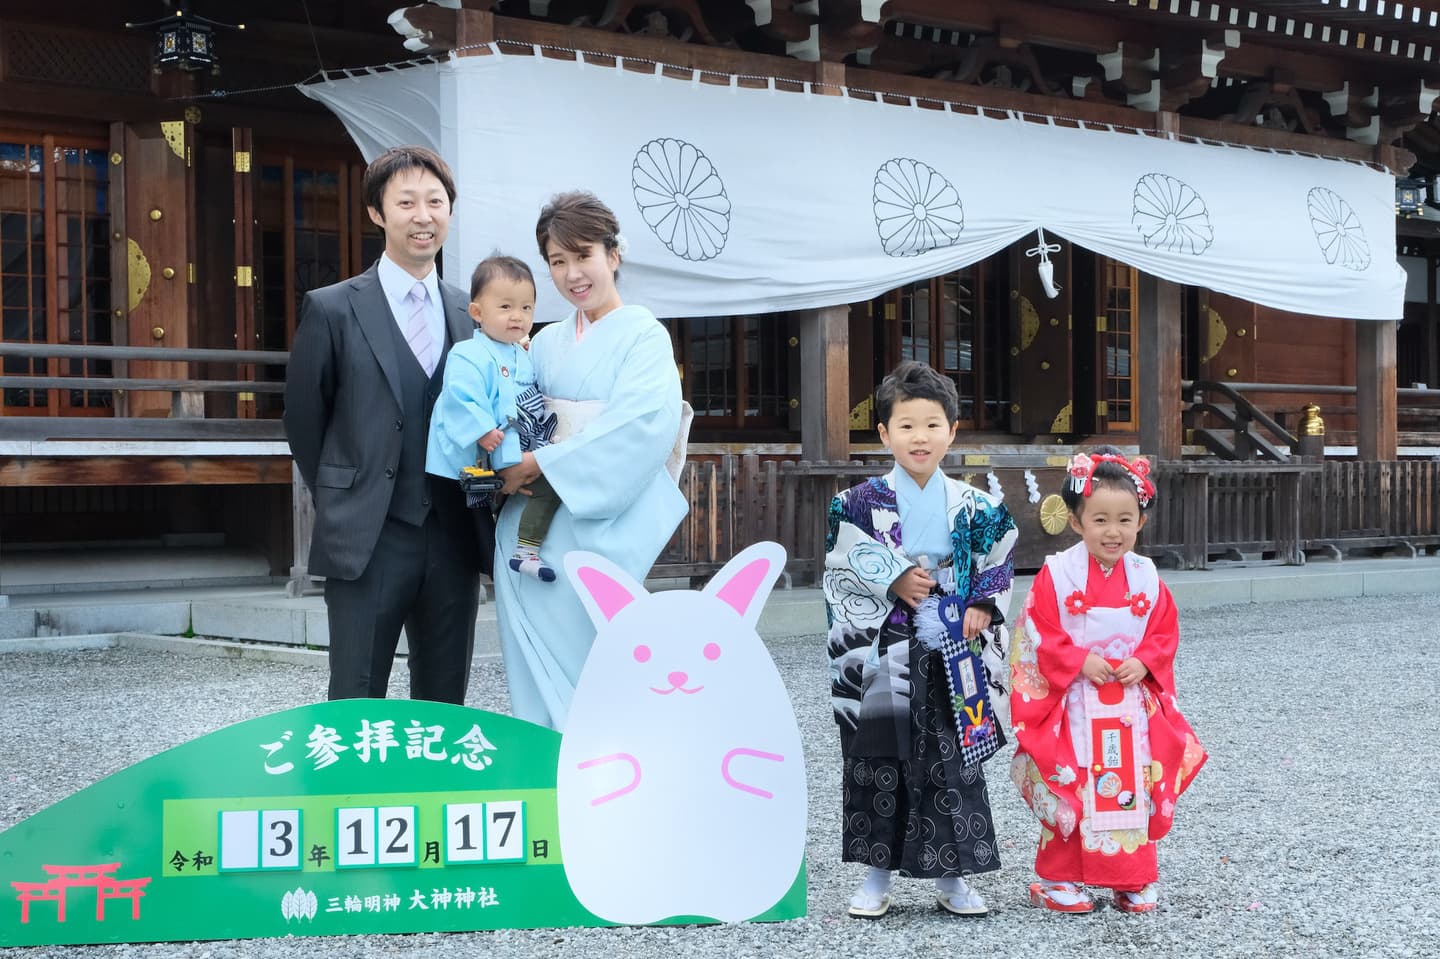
<point>912,804</point>
<point>1104,752</point>
<point>609,371</point>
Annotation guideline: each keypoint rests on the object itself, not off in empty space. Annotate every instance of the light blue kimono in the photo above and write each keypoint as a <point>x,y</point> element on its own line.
<point>483,379</point>
<point>618,500</point>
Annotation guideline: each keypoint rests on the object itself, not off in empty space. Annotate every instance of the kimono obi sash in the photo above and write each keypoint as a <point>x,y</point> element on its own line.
<point>1109,728</point>
<point>572,416</point>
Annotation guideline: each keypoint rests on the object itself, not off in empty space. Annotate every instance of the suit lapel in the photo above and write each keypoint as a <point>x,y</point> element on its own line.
<point>457,315</point>
<point>372,312</point>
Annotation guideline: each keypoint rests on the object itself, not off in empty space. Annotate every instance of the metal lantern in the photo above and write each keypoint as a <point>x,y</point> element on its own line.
<point>184,41</point>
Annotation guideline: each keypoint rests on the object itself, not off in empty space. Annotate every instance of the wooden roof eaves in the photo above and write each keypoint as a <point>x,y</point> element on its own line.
<point>1318,30</point>
<point>723,63</point>
<point>1098,26</point>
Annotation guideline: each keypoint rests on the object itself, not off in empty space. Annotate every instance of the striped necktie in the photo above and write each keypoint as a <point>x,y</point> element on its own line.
<point>417,331</point>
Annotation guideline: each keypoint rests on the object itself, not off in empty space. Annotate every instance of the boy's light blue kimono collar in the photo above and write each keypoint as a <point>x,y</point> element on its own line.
<point>922,514</point>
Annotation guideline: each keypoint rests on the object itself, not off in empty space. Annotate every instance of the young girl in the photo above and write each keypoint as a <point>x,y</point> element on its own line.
<point>911,804</point>
<point>1103,752</point>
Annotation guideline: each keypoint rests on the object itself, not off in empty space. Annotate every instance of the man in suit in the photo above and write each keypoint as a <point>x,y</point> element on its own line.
<point>396,546</point>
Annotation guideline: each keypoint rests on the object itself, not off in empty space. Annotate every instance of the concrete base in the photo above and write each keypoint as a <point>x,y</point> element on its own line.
<point>17,622</point>
<point>217,649</point>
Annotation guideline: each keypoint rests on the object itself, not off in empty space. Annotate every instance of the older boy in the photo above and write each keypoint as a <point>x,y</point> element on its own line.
<point>910,804</point>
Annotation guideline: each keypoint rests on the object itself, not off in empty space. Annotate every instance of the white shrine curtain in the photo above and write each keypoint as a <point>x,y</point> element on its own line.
<point>737,200</point>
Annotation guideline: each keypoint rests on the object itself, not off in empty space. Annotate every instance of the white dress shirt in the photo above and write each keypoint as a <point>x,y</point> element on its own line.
<point>397,285</point>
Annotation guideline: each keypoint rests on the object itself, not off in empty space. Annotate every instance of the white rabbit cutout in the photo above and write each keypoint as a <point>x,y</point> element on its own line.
<point>681,783</point>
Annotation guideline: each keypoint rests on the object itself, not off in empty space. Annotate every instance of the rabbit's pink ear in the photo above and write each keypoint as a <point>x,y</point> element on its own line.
<point>604,589</point>
<point>740,590</point>
<point>745,582</point>
<point>610,597</point>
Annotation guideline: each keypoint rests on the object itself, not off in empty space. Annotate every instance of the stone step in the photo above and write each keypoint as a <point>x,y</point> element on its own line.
<point>83,569</point>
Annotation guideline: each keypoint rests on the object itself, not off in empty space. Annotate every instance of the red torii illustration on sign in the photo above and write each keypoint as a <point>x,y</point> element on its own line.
<point>98,877</point>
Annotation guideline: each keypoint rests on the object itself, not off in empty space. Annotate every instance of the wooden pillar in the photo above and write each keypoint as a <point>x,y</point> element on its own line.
<point>246,335</point>
<point>1375,398</point>
<point>1157,383</point>
<point>825,383</point>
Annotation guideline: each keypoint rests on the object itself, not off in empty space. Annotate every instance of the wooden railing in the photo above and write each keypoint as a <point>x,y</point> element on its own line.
<point>1206,512</point>
<point>1243,420</point>
<point>1222,408</point>
<point>186,421</point>
<point>1388,504</point>
<point>1233,511</point>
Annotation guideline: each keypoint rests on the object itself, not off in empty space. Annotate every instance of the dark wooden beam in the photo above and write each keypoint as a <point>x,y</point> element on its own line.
<point>1375,397</point>
<point>1158,375</point>
<point>1040,24</point>
<point>722,62</point>
<point>1263,99</point>
<point>786,24</point>
<point>293,116</point>
<point>426,27</point>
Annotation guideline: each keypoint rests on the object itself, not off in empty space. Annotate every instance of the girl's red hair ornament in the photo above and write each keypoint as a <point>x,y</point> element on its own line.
<point>1082,474</point>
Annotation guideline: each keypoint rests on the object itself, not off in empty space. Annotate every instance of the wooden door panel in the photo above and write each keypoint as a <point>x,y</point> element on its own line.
<point>1040,351</point>
<point>159,193</point>
<point>1227,339</point>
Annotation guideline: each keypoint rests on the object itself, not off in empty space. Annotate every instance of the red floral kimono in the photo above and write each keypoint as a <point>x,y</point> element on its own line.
<point>1100,766</point>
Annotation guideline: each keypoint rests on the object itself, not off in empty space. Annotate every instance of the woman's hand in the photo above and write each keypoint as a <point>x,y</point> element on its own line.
<point>1131,671</point>
<point>1096,669</point>
<point>519,477</point>
<point>912,586</point>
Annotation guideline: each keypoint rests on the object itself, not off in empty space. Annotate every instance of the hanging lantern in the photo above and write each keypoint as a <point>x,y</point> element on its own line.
<point>185,41</point>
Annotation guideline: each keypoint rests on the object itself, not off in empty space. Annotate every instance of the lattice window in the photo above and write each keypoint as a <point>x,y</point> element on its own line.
<point>22,261</point>
<point>75,58</point>
<point>54,265</point>
<point>945,322</point>
<point>313,232</point>
<point>1118,340</point>
<point>735,369</point>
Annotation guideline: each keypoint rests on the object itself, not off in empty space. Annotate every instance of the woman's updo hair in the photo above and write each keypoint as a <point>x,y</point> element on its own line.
<point>573,221</point>
<point>1112,475</point>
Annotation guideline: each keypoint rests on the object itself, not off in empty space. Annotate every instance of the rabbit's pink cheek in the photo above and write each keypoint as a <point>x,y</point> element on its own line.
<point>642,653</point>
<point>711,651</point>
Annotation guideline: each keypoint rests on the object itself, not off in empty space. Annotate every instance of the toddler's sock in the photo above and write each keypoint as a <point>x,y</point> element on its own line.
<point>526,559</point>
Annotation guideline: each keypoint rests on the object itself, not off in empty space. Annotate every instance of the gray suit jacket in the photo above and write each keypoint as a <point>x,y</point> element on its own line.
<point>343,413</point>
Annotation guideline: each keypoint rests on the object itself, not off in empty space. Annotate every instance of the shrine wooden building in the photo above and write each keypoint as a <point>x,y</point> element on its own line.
<point>166,192</point>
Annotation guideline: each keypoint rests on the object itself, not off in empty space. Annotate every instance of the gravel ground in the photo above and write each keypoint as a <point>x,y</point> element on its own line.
<point>1310,832</point>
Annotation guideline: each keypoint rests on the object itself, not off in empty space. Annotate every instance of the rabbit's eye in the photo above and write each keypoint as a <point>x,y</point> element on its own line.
<point>711,651</point>
<point>642,653</point>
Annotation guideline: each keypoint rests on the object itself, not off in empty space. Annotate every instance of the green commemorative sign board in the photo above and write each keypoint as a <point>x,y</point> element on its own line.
<point>342,818</point>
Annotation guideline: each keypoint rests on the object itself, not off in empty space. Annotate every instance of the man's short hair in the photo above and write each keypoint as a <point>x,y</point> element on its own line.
<point>397,160</point>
